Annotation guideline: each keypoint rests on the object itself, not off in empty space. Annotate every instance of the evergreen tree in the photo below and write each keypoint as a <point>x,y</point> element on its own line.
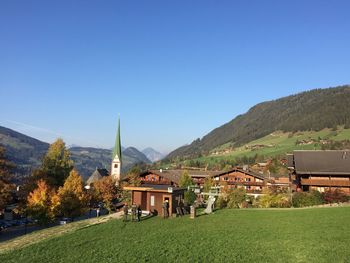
<point>185,180</point>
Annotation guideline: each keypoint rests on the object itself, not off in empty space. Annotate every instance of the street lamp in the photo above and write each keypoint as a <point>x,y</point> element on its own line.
<point>87,188</point>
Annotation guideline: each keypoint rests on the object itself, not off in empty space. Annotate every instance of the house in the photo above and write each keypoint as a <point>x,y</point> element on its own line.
<point>237,177</point>
<point>172,177</point>
<point>320,170</point>
<point>151,197</point>
<point>97,175</point>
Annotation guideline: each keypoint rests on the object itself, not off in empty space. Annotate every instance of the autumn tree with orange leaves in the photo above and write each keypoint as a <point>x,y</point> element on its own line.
<point>107,191</point>
<point>39,203</point>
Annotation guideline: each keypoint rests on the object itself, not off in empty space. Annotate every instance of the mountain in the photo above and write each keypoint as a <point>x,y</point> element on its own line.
<point>132,152</point>
<point>152,154</point>
<point>26,153</point>
<point>311,110</point>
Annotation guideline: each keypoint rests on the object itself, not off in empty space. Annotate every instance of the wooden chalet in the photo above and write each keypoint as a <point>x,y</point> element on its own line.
<point>151,197</point>
<point>172,177</point>
<point>237,177</point>
<point>252,182</point>
<point>320,170</point>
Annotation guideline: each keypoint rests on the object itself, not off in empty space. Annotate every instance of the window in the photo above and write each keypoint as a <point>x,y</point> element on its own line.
<point>116,165</point>
<point>152,200</point>
<point>225,178</point>
<point>247,179</point>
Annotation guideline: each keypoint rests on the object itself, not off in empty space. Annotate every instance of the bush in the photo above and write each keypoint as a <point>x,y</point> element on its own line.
<point>221,202</point>
<point>236,198</point>
<point>274,200</point>
<point>335,196</point>
<point>302,199</point>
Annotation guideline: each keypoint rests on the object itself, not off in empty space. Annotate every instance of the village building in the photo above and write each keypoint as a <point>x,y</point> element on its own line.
<point>320,170</point>
<point>172,177</point>
<point>98,174</point>
<point>252,182</point>
<point>152,197</point>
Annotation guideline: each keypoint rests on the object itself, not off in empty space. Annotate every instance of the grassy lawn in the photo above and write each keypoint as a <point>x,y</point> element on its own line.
<point>254,235</point>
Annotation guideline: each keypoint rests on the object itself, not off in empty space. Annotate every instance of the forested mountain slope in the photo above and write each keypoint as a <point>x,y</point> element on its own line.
<point>311,110</point>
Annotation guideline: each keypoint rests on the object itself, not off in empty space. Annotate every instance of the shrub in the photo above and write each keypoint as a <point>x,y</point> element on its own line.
<point>274,199</point>
<point>302,199</point>
<point>221,202</point>
<point>335,196</point>
<point>236,198</point>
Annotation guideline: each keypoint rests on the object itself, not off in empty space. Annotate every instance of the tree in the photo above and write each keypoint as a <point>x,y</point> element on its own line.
<point>134,176</point>
<point>107,191</point>
<point>208,184</point>
<point>56,164</point>
<point>6,186</point>
<point>39,203</point>
<point>185,180</point>
<point>71,199</point>
<point>189,197</point>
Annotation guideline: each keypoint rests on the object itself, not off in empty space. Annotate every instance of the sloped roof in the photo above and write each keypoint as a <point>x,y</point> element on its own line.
<point>259,176</point>
<point>322,162</point>
<point>97,175</point>
<point>174,175</point>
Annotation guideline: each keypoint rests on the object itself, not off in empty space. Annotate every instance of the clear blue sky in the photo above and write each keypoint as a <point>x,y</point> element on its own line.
<point>174,70</point>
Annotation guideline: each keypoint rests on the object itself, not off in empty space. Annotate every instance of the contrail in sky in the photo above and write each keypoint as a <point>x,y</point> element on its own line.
<point>47,131</point>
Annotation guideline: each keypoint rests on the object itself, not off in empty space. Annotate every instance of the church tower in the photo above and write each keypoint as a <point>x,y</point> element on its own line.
<point>117,157</point>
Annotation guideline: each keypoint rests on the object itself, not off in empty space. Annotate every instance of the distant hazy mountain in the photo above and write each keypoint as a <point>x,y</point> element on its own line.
<point>27,152</point>
<point>132,152</point>
<point>152,154</point>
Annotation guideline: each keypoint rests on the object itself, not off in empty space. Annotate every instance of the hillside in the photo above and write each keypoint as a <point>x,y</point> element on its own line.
<point>273,145</point>
<point>311,110</point>
<point>228,235</point>
<point>27,152</point>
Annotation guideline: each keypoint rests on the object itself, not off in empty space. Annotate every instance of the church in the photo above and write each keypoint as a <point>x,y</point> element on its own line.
<point>116,167</point>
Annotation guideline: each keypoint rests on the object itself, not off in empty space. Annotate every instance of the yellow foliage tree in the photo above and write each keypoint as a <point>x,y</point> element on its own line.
<point>39,203</point>
<point>71,199</point>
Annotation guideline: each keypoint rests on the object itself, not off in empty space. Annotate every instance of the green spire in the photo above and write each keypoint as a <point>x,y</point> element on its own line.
<point>118,147</point>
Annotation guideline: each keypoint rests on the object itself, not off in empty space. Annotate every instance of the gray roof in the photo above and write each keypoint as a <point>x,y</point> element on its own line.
<point>97,175</point>
<point>322,162</point>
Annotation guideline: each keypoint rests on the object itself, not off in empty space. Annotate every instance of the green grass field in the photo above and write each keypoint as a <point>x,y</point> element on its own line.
<point>250,235</point>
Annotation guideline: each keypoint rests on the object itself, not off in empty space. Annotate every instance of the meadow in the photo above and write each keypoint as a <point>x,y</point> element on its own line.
<point>247,235</point>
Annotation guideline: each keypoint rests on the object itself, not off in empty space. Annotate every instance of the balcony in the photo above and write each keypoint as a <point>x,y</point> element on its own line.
<point>315,182</point>
<point>244,183</point>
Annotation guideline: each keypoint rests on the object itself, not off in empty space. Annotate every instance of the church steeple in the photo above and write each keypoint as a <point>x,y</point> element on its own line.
<point>117,156</point>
